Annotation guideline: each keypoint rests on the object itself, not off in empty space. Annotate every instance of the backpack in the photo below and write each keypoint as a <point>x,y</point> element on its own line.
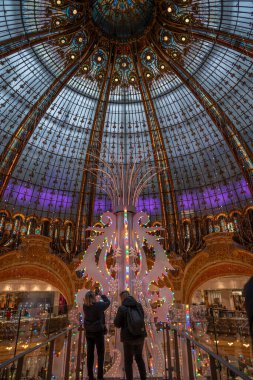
<point>135,321</point>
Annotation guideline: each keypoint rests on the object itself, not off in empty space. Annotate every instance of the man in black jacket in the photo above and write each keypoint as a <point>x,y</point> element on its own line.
<point>95,329</point>
<point>133,344</point>
<point>248,294</point>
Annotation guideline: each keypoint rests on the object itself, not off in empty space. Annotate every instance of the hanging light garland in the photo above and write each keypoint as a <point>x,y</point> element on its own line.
<point>126,241</point>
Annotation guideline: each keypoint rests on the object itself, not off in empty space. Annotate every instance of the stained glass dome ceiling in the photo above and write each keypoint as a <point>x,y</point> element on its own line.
<point>172,88</point>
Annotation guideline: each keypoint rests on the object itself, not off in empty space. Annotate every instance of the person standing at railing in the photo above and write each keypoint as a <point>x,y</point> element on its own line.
<point>8,314</point>
<point>248,294</point>
<point>95,329</point>
<point>130,318</point>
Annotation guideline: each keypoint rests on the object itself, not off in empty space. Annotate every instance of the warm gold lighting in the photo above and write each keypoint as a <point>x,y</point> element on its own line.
<point>80,39</point>
<point>183,39</point>
<point>148,57</point>
<point>162,67</point>
<point>165,38</point>
<point>148,75</point>
<point>169,9</point>
<point>99,58</point>
<point>72,56</point>
<point>74,12</point>
<point>187,20</point>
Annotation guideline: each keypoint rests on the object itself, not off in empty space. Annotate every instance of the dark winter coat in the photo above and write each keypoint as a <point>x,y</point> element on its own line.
<point>248,294</point>
<point>95,312</point>
<point>120,320</point>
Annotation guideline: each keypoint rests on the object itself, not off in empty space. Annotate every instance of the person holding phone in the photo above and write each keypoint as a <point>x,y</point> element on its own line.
<point>95,329</point>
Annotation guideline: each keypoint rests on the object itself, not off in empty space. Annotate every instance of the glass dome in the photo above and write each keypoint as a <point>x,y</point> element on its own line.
<point>167,83</point>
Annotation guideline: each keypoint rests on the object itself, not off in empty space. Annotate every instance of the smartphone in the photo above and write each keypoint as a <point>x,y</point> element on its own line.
<point>97,291</point>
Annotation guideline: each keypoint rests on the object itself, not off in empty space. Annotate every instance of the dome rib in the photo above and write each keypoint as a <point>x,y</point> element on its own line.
<point>233,138</point>
<point>14,148</point>
<point>95,142</point>
<point>238,43</point>
<point>16,44</point>
<point>161,160</point>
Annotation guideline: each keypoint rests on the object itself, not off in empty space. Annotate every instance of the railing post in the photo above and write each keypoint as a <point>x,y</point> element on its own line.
<point>79,352</point>
<point>189,357</point>
<point>17,335</point>
<point>49,322</point>
<point>18,375</point>
<point>165,354</point>
<point>66,376</point>
<point>50,360</point>
<point>168,351</point>
<point>178,377</point>
<point>213,368</point>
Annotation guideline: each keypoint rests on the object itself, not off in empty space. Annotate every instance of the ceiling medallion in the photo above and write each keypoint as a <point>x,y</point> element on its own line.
<point>133,25</point>
<point>122,20</point>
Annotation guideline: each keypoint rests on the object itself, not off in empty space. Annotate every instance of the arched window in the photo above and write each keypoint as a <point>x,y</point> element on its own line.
<point>45,231</point>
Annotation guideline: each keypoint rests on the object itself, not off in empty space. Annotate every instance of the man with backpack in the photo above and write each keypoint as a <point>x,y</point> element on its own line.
<point>130,318</point>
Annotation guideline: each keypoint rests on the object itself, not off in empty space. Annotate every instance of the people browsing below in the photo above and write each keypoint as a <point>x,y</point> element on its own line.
<point>95,329</point>
<point>130,318</point>
<point>248,294</point>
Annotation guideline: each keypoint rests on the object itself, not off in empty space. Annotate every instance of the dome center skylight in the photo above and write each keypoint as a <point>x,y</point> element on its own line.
<point>122,20</point>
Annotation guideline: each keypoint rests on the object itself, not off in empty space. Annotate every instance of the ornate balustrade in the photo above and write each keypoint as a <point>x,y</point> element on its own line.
<point>14,227</point>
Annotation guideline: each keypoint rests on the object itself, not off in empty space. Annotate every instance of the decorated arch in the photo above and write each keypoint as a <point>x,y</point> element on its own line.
<point>34,261</point>
<point>221,257</point>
